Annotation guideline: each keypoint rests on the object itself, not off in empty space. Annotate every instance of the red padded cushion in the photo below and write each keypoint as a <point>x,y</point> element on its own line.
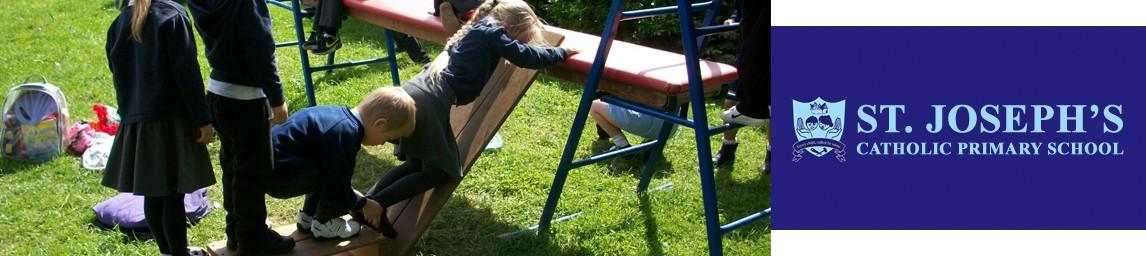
<point>413,13</point>
<point>628,63</point>
<point>643,66</point>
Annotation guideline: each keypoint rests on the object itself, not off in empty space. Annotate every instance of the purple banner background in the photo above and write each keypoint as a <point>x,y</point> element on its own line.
<point>976,66</point>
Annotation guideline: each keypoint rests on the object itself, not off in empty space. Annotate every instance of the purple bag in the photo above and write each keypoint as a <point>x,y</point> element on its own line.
<point>126,211</point>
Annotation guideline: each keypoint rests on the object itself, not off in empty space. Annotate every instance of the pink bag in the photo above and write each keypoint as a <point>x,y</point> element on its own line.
<point>80,135</point>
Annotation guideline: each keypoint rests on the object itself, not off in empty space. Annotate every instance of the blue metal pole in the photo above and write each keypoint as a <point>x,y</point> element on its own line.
<point>304,59</point>
<point>700,117</point>
<point>579,119</point>
<point>658,150</point>
<point>330,62</point>
<point>709,19</point>
<point>393,58</point>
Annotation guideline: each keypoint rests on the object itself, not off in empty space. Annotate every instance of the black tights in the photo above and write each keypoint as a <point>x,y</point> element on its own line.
<point>166,219</point>
<point>405,181</point>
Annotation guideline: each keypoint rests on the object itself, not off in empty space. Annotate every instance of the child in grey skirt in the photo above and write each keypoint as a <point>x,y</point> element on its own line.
<point>160,149</point>
<point>500,29</point>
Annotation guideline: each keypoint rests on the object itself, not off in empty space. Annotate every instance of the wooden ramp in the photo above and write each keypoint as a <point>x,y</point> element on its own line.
<point>366,243</point>
<point>474,126</point>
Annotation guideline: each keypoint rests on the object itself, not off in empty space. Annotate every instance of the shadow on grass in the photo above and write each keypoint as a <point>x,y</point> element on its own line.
<point>9,166</point>
<point>463,228</point>
<point>652,240</point>
<point>737,199</point>
<point>370,168</point>
<point>632,165</point>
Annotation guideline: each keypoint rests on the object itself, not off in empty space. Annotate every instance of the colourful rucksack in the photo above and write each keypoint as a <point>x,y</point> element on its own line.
<point>35,122</point>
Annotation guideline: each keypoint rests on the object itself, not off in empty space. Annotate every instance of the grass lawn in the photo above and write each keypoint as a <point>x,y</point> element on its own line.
<point>45,209</point>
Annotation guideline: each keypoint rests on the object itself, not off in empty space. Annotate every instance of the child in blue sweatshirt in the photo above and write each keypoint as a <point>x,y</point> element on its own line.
<point>315,154</point>
<point>501,29</point>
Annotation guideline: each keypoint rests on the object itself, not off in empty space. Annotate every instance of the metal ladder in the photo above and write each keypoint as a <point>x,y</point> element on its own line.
<point>304,57</point>
<point>691,38</point>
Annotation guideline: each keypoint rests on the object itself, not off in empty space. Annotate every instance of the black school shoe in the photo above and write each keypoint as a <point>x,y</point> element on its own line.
<point>270,242</point>
<point>311,41</point>
<point>385,227</point>
<point>726,156</point>
<point>326,43</point>
<point>232,240</point>
<point>601,134</point>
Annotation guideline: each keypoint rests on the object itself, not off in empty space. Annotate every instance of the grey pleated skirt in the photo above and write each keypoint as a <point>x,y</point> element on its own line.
<point>433,139</point>
<point>158,158</point>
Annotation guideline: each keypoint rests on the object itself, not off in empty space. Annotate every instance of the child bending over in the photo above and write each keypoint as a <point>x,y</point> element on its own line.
<point>315,154</point>
<point>499,29</point>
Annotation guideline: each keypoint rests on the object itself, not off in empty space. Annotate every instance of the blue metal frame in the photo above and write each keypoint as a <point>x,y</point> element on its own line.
<point>304,56</point>
<point>692,37</point>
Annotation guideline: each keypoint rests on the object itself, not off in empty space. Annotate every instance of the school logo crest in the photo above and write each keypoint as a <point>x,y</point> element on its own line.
<point>819,128</point>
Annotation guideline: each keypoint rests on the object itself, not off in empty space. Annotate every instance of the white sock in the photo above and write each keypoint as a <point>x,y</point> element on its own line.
<point>620,140</point>
<point>730,142</point>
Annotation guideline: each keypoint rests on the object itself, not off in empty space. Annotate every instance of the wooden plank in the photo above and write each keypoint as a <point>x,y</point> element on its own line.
<point>306,245</point>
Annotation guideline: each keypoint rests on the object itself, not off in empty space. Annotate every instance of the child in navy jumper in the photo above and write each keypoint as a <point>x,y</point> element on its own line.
<point>159,152</point>
<point>246,97</point>
<point>315,154</point>
<point>502,29</point>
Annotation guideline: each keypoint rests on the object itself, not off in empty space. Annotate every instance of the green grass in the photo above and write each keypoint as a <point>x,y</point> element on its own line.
<point>45,209</point>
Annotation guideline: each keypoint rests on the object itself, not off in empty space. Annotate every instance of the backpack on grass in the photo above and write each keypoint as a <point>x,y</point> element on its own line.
<point>35,118</point>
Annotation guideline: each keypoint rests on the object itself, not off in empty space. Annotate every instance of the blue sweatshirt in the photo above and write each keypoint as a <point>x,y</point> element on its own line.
<point>158,77</point>
<point>327,137</point>
<point>474,57</point>
<point>239,43</point>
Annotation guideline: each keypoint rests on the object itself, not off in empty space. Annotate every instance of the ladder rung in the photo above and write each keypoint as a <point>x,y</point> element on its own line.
<point>645,13</point>
<point>648,111</point>
<point>348,64</point>
<point>610,155</point>
<point>748,219</point>
<point>714,130</point>
<point>701,31</point>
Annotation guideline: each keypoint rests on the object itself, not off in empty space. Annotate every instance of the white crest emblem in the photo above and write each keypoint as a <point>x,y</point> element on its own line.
<point>819,128</point>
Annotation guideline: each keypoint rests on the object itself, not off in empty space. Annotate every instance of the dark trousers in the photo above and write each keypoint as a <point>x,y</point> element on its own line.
<point>325,189</point>
<point>330,13</point>
<point>246,160</point>
<point>405,181</point>
<point>165,218</point>
<point>754,92</point>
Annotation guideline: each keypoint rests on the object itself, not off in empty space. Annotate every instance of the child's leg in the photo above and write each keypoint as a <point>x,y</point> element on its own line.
<point>409,167</point>
<point>411,185</point>
<point>600,112</point>
<point>329,16</point>
<point>175,223</point>
<point>153,213</point>
<point>167,221</point>
<point>245,157</point>
<point>310,204</point>
<point>407,44</point>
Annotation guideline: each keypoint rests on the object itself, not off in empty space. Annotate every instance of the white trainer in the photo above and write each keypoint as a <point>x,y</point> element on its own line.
<point>304,221</point>
<point>733,116</point>
<point>333,228</point>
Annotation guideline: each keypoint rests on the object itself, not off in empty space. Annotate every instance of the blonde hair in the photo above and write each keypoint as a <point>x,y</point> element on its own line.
<point>516,16</point>
<point>138,18</point>
<point>390,103</point>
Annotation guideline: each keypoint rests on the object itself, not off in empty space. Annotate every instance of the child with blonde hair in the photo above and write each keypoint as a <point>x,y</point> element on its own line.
<point>315,154</point>
<point>499,29</point>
